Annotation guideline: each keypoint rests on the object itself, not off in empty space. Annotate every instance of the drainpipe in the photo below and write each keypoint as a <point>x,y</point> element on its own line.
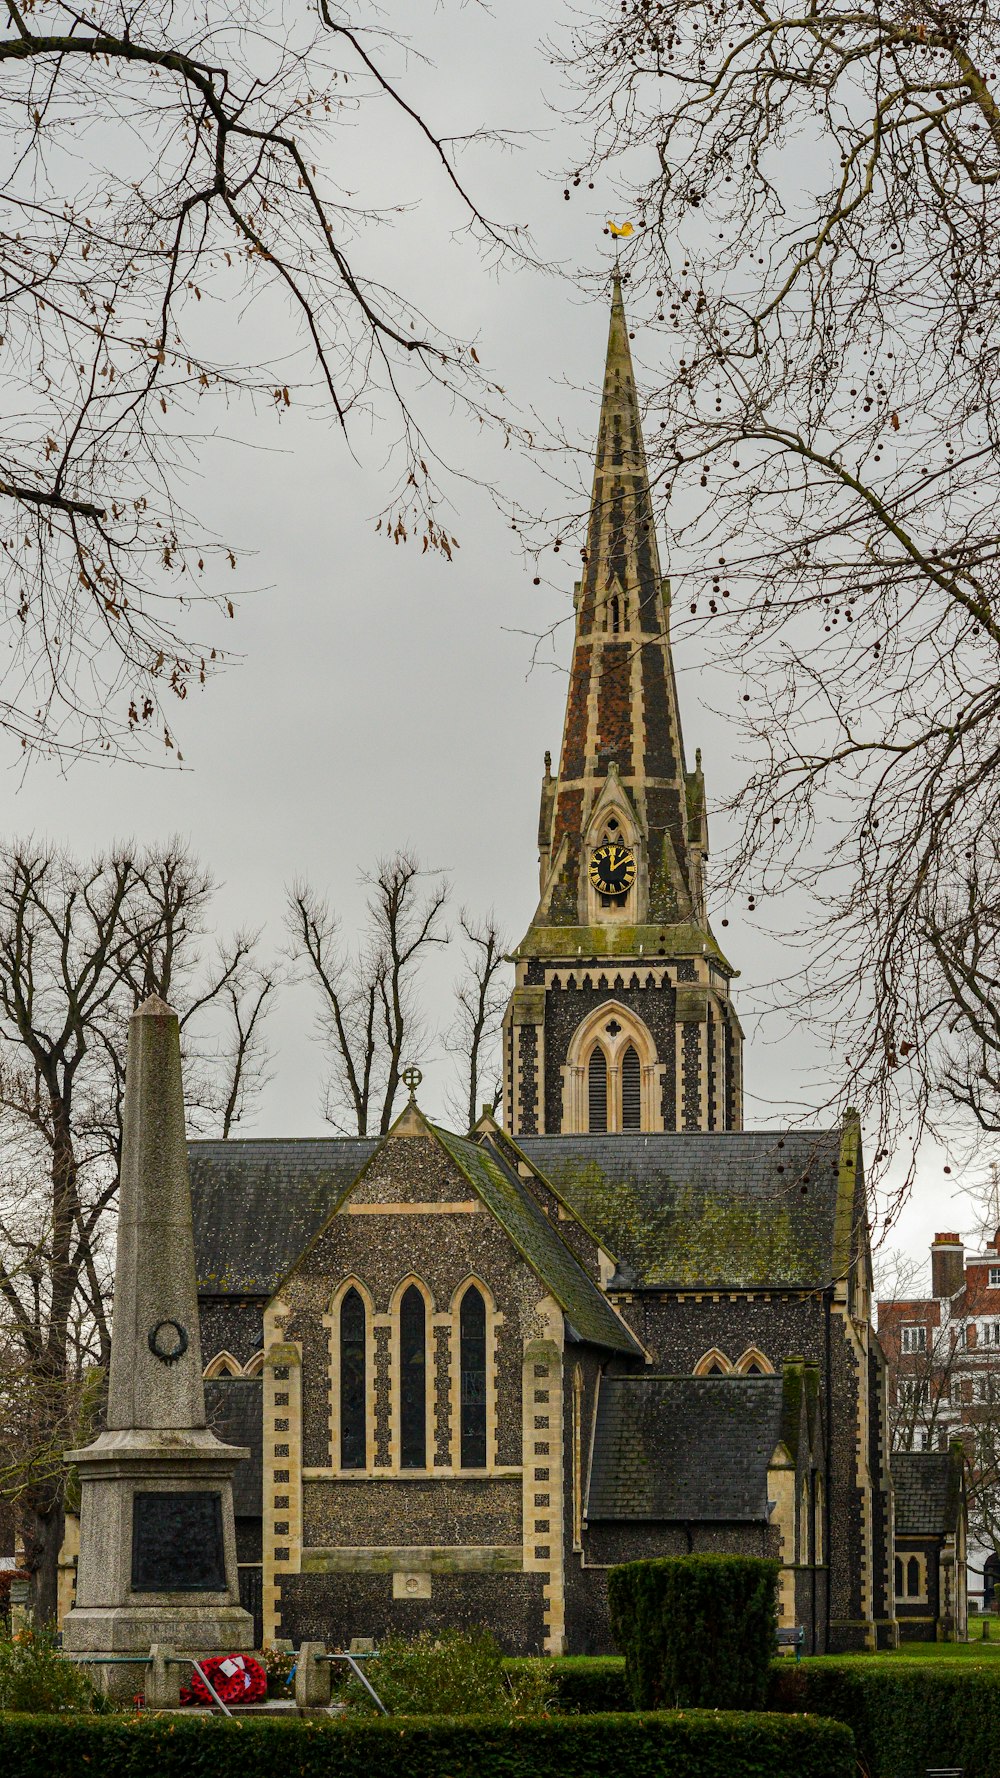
<point>828,1456</point>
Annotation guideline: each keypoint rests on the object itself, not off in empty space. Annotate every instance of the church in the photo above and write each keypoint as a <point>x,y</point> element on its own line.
<point>478,1369</point>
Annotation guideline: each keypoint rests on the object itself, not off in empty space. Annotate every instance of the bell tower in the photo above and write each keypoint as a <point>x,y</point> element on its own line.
<point>621,1019</point>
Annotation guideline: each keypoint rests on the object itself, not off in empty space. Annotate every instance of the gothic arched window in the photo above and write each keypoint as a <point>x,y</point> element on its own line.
<point>899,1578</point>
<point>616,622</point>
<point>412,1380</point>
<point>631,1090</point>
<point>912,1578</point>
<point>472,1365</point>
<point>353,1453</point>
<point>597,1091</point>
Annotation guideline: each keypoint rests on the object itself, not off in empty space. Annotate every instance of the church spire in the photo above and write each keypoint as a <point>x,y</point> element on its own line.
<point>620,1019</point>
<point>621,714</point>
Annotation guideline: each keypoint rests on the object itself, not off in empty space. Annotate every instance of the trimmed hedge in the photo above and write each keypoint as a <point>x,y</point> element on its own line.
<point>580,1685</point>
<point>906,1717</point>
<point>696,1630</point>
<point>693,1745</point>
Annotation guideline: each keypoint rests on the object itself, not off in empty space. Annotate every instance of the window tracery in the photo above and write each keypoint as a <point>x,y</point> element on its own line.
<point>612,1080</point>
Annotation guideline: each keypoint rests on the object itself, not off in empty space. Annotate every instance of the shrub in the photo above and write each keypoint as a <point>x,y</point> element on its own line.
<point>580,1685</point>
<point>906,1717</point>
<point>277,1664</point>
<point>35,1676</point>
<point>692,1745</point>
<point>453,1673</point>
<point>696,1630</point>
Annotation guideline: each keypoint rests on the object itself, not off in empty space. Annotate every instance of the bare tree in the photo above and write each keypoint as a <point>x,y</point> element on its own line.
<point>369,1018</point>
<point>80,944</point>
<point>816,252</point>
<point>481,993</point>
<point>175,195</point>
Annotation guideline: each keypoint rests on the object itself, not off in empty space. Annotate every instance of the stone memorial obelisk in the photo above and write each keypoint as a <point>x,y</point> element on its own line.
<point>157,1537</point>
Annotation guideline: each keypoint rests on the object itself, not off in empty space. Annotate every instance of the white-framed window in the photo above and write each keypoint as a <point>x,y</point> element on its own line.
<point>989,1333</point>
<point>995,1275</point>
<point>913,1393</point>
<point>955,1392</point>
<point>915,1337</point>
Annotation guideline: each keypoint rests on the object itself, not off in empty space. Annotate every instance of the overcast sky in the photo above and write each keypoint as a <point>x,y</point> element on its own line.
<point>385,697</point>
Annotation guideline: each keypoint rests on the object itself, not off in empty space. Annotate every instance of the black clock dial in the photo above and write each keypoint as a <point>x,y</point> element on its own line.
<point>612,868</point>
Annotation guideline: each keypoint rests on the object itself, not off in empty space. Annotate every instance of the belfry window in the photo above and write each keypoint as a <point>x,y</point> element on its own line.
<point>616,616</point>
<point>597,1091</point>
<point>631,1090</point>
<point>352,1381</point>
<point>412,1380</point>
<point>472,1365</point>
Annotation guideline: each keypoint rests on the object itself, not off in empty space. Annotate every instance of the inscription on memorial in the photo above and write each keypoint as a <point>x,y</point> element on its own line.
<point>177,1543</point>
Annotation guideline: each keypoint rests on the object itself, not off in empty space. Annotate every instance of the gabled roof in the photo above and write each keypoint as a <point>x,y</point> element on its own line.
<point>728,1209</point>
<point>588,1311</point>
<point>927,1486</point>
<point>257,1205</point>
<point>676,1448</point>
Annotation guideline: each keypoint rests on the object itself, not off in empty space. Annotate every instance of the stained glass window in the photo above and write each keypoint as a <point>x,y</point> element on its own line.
<point>352,1381</point>
<point>472,1360</point>
<point>412,1380</point>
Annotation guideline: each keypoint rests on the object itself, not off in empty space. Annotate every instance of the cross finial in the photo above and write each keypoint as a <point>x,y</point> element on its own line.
<point>411,1079</point>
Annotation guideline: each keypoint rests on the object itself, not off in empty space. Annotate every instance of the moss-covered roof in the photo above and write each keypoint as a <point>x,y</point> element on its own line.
<point>258,1204</point>
<point>927,1486</point>
<point>642,944</point>
<point>684,1448</point>
<point>728,1209</point>
<point>508,1199</point>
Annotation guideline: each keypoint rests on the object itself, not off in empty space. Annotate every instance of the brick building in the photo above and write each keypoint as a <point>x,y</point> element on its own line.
<point>943,1354</point>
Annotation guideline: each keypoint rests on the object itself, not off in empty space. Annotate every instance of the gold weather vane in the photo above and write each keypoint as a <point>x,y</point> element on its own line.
<point>620,230</point>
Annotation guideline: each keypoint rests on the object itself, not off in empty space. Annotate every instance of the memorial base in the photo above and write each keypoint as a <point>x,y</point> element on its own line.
<point>157,1548</point>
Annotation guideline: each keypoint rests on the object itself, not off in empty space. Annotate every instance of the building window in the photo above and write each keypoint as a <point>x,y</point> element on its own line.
<point>631,1089</point>
<point>472,1366</point>
<point>899,1577</point>
<point>818,1518</point>
<point>915,1339</point>
<point>353,1429</point>
<point>995,1275</point>
<point>912,1578</point>
<point>597,1091</point>
<point>913,1394</point>
<point>412,1380</point>
<point>989,1333</point>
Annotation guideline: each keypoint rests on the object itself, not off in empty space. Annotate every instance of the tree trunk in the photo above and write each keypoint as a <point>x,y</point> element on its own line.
<point>43,1536</point>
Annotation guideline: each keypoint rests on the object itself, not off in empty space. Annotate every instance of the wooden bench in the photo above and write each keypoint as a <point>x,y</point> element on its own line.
<point>793,1638</point>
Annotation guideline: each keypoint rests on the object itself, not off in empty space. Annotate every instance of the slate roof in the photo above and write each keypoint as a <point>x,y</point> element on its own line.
<point>927,1486</point>
<point>234,1411</point>
<point>675,1448</point>
<point>257,1204</point>
<point>729,1208</point>
<point>508,1198</point>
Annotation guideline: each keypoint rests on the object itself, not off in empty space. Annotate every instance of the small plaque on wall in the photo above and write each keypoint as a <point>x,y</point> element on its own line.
<point>177,1543</point>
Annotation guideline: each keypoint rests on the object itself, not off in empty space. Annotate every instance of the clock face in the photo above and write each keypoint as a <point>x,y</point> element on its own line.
<point>612,868</point>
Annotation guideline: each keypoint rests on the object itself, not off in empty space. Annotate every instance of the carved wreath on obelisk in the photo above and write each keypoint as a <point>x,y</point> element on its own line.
<point>168,1350</point>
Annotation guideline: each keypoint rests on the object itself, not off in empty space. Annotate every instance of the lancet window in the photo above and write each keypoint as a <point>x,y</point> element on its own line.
<point>412,1380</point>
<point>353,1454</point>
<point>472,1371</point>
